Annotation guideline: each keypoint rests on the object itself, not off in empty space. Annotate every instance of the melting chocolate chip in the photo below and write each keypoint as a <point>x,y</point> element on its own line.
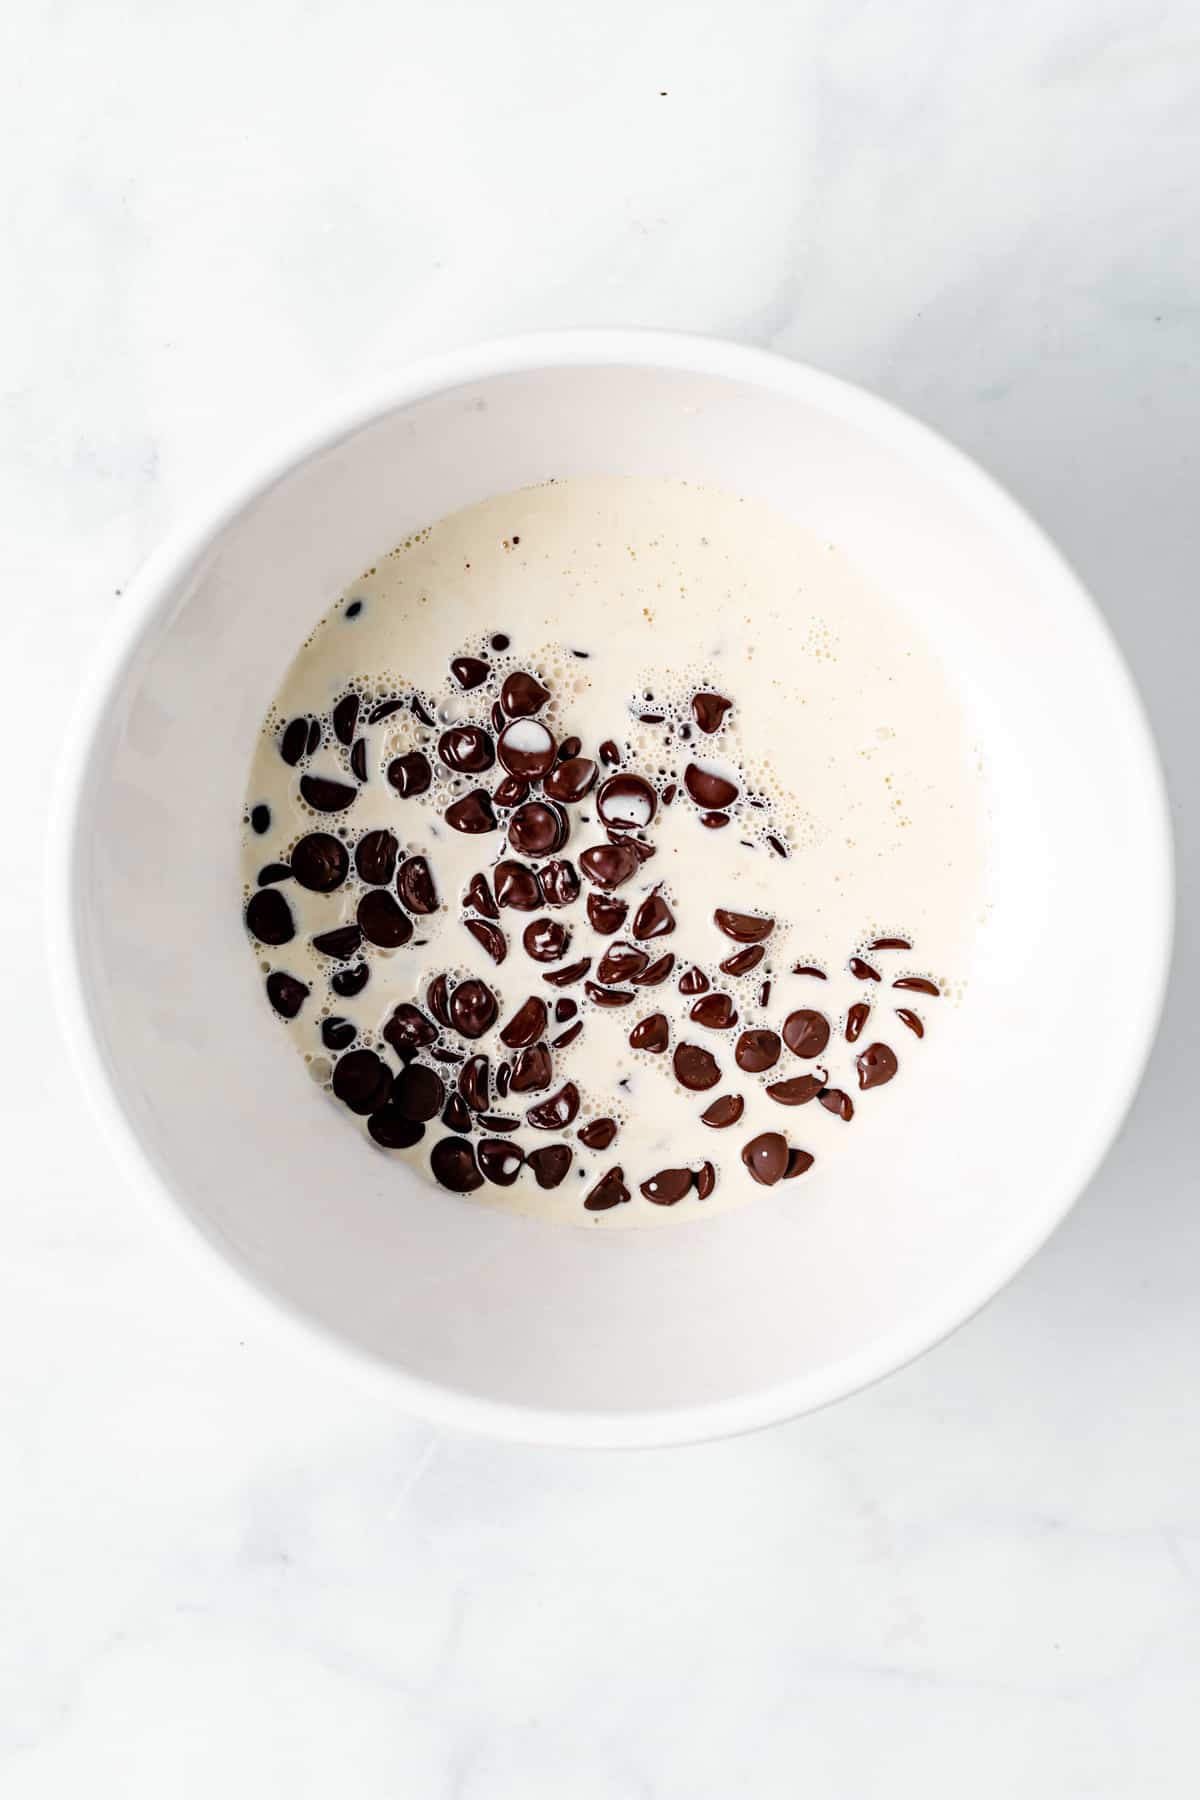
<point>455,1115</point>
<point>862,971</point>
<point>501,1163</point>
<point>609,753</point>
<point>889,943</point>
<point>560,882</point>
<point>260,818</point>
<point>656,971</point>
<point>414,884</point>
<point>669,793</point>
<point>314,737</point>
<point>550,1164</point>
<point>409,1029</point>
<point>695,1068</point>
<point>522,694</point>
<point>410,774</point>
<point>469,671</point>
<point>453,1164</point>
<point>564,1009</point>
<point>320,862</point>
<point>709,710</point>
<point>338,1033</point>
<point>707,788</point>
<point>602,996</point>
<point>917,984</point>
<point>777,846</point>
<point>757,1050</point>
<point>621,962</point>
<point>345,718</point>
<point>742,961</point>
<point>491,1121</point>
<point>652,1033</point>
<point>442,1056</point>
<point>490,936</point>
<point>503,1078</point>
<point>473,1083</point>
<point>382,919</point>
<point>501,641</point>
<point>567,1037</point>
<point>341,944</point>
<point>362,1081</point>
<point>527,1024</point>
<point>437,998</point>
<point>498,717</point>
<point>706,1181</point>
<point>418,1092</point>
<point>716,1011</point>
<point>911,1020</point>
<point>610,865</point>
<point>797,1091</point>
<point>714,820</point>
<point>725,1111</point>
<point>270,873</point>
<point>472,1008</point>
<point>517,886</point>
<point>809,969</point>
<point>798,1162</point>
<point>375,857</point>
<point>269,917</point>
<point>479,895</point>
<point>538,828</point>
<point>556,1113</point>
<point>546,940</point>
<point>467,749</point>
<point>667,1187</point>
<point>652,718</point>
<point>327,796</point>
<point>571,779</point>
<point>743,928</point>
<point>605,913</point>
<point>510,792</point>
<point>764,993</point>
<point>609,1191</point>
<point>353,610</point>
<point>856,1018</point>
<point>393,1130</point>
<point>569,748</point>
<point>806,1033</point>
<point>348,982</point>
<point>384,710</point>
<point>876,1065</point>
<point>694,981</point>
<point>766,1157</point>
<point>422,711</point>
<point>532,1070</point>
<point>472,814</point>
<point>653,918</point>
<point>526,748</point>
<point>286,994</point>
<point>358,759</point>
<point>626,802</point>
<point>292,743</point>
<point>835,1101</point>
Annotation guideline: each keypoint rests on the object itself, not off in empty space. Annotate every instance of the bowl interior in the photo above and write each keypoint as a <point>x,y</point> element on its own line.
<point>788,1302</point>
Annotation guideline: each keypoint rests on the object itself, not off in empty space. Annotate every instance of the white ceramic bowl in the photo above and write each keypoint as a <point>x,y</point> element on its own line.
<point>501,1324</point>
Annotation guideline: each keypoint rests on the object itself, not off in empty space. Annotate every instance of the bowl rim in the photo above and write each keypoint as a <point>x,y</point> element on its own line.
<point>152,589</point>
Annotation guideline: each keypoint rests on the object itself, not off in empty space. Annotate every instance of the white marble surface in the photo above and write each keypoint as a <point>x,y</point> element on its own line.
<point>223,1573</point>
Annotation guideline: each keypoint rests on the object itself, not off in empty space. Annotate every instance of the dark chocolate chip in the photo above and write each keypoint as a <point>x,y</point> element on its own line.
<point>694,981</point>
<point>652,1033</point>
<point>656,971</point>
<point>526,748</point>
<point>353,610</point>
<point>348,982</point>
<point>742,961</point>
<point>473,1008</point>
<point>383,919</point>
<point>550,1164</point>
<point>314,737</point>
<point>358,759</point>
<point>653,918</point>
<point>509,791</point>
<point>269,917</point>
<point>345,718</point>
<point>472,814</point>
<point>418,1092</point>
<point>327,796</point>
<point>338,1033</point>
<point>797,1091</point>
<point>834,1100</point>
<point>497,1122</point>
<point>270,873</point>
<point>626,802</point>
<point>522,694</point>
<point>560,880</point>
<point>469,671</point>
<point>605,913</point>
<point>408,1028</point>
<point>500,641</point>
<point>320,862</point>
<point>375,857</point>
<point>602,996</point>
<point>667,1187</point>
<point>341,943</point>
<point>809,969</point>
<point>538,828</point>
<point>764,993</point>
<point>456,1116</point>
<point>798,1162</point>
<point>806,1033</point>
<point>766,1157</point>
<point>724,1112</point>
<point>527,1024</point>
<point>501,1163</point>
<point>714,820</point>
<point>695,1068</point>
<point>532,1070</point>
<point>889,943</point>
<point>918,984</point>
<point>260,818</point>
<point>911,1020</point>
<point>610,865</point>
<point>567,976</point>
<point>292,743</point>
<point>567,1037</point>
<point>410,774</point>
<point>707,788</point>
<point>422,711</point>
<point>556,1113</point>
<point>743,928</point>
<point>862,971</point>
<point>393,1130</point>
<point>564,1009</point>
<point>479,895</point>
<point>609,753</point>
<point>856,1018</point>
<point>286,994</point>
<point>876,1065</point>
<point>517,886</point>
<point>498,717</point>
<point>709,710</point>
<point>453,1164</point>
<point>609,1191</point>
<point>716,1011</point>
<point>706,1181</point>
<point>546,940</point>
<point>362,1081</point>
<point>384,710</point>
<point>466,749</point>
<point>669,793</point>
<point>503,1079</point>
<point>490,936</point>
<point>414,884</point>
<point>621,962</point>
<point>757,1050</point>
<point>571,779</point>
<point>473,1083</point>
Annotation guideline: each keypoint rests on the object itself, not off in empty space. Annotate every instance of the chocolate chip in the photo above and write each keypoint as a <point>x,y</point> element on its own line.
<point>797,1091</point>
<point>809,969</point>
<point>490,936</point>
<point>862,971</point>
<point>707,788</point>
<point>571,779</point>
<point>856,1018</point>
<point>408,1028</point>
<point>876,1065</point>
<point>652,718</point>
<point>338,1033</point>
<point>560,882</point>
<point>564,1009</point>
<point>714,820</point>
<point>911,1020</point>
<point>422,711</point>
<point>473,1008</point>
<point>609,753</point>
<point>602,996</point>
<point>472,814</point>
<point>410,774</point>
<point>709,710</point>
<point>538,828</point>
<point>626,802</point>
<point>917,984</point>
<point>806,1033</point>
<point>716,1011</point>
<point>414,884</point>
<point>605,913</point>
<point>314,737</point>
<point>517,886</point>
<point>393,1130</point>
<point>743,928</point>
<point>345,718</point>
<point>889,943</point>
<point>742,961</point>
<point>756,1051</point>
<point>418,1092</point>
<point>766,1157</point>
<point>527,1024</point>
<point>375,857</point>
<point>473,1083</point>
<point>706,1181</point>
<point>764,993</point>
<point>653,918</point>
<point>568,749</point>
<point>437,997</point>
<point>442,1056</point>
<point>362,1081</point>
<point>348,982</point>
<point>384,710</point>
<point>479,895</point>
<point>609,1191</point>
<point>358,759</point>
<point>668,1186</point>
<point>522,694</point>
<point>353,610</point>
<point>497,1122</point>
<point>469,671</point>
<point>777,846</point>
<point>621,962</point>
<point>320,862</point>
<point>453,1164</point>
<point>498,717</point>
<point>723,1112</point>
<point>567,976</point>
<point>503,1078</point>
<point>556,1113</point>
<point>501,641</point>
<point>526,748</point>
<point>260,818</point>
<point>835,1101</point>
<point>652,1033</point>
<point>501,1163</point>
<point>695,1068</point>
<point>567,1037</point>
<point>694,981</point>
<point>656,971</point>
<point>550,1164</point>
<point>383,920</point>
<point>532,1070</point>
<point>327,796</point>
<point>467,749</point>
<point>546,940</point>
<point>270,873</point>
<point>669,793</point>
<point>610,865</point>
<point>286,994</point>
<point>292,743</point>
<point>510,792</point>
<point>455,1115</point>
<point>341,944</point>
<point>798,1162</point>
<point>269,917</point>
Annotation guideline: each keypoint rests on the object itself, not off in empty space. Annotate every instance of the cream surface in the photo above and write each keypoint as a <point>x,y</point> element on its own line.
<point>627,597</point>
